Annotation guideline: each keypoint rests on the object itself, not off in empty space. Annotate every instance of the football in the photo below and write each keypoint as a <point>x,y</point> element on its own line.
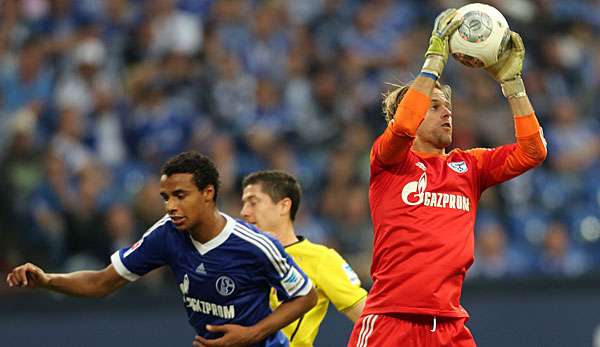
<point>482,38</point>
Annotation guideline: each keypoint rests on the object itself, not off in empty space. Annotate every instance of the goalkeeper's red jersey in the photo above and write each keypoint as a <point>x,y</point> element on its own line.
<point>423,210</point>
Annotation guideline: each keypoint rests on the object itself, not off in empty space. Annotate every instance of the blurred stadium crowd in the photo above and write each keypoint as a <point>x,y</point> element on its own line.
<point>95,95</point>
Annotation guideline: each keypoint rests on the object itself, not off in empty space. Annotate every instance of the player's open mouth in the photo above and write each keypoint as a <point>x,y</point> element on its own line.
<point>177,220</point>
<point>446,125</point>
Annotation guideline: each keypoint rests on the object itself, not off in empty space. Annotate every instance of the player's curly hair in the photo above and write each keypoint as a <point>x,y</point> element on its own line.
<point>277,185</point>
<point>204,171</point>
<point>392,98</point>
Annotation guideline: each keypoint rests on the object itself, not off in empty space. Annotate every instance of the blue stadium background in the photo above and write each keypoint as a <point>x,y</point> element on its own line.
<point>95,95</point>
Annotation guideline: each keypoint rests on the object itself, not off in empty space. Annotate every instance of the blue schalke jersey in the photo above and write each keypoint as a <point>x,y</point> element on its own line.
<point>226,280</point>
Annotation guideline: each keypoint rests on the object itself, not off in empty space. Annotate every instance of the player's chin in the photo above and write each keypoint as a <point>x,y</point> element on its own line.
<point>180,224</point>
<point>445,140</point>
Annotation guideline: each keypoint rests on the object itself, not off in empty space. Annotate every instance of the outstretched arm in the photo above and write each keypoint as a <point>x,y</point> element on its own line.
<point>392,146</point>
<point>80,283</point>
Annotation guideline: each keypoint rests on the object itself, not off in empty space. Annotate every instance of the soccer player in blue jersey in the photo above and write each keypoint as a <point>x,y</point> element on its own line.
<point>225,268</point>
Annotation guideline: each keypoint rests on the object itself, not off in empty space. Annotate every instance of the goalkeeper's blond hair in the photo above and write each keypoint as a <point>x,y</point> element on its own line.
<point>392,98</point>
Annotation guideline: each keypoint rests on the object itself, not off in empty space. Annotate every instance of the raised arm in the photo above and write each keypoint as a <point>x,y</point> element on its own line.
<point>530,141</point>
<point>531,145</point>
<point>530,150</point>
<point>80,283</point>
<point>395,142</point>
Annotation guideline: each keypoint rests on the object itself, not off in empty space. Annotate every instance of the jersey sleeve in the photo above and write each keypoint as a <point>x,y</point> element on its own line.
<point>500,164</point>
<point>337,280</point>
<point>393,145</point>
<point>282,271</point>
<point>143,256</point>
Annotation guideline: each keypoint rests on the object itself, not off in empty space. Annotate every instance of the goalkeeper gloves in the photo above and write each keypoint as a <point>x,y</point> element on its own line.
<point>507,71</point>
<point>436,56</point>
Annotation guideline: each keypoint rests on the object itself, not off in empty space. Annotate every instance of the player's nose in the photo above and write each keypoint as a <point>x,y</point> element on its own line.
<point>446,116</point>
<point>249,218</point>
<point>171,206</point>
<point>446,112</point>
<point>245,214</point>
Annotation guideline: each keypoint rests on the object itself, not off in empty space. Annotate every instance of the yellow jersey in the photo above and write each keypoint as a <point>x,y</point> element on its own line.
<point>335,282</point>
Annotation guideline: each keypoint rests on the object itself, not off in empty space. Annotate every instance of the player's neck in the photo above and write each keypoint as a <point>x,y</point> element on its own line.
<point>427,148</point>
<point>286,234</point>
<point>210,228</point>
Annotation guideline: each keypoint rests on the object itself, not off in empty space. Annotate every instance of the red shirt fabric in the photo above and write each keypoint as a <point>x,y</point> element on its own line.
<point>423,209</point>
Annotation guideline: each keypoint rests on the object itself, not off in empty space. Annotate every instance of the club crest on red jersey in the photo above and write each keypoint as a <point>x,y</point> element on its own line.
<point>458,166</point>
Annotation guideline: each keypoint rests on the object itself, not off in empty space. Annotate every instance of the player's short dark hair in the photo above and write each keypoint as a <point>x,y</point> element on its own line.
<point>277,185</point>
<point>392,98</point>
<point>204,171</point>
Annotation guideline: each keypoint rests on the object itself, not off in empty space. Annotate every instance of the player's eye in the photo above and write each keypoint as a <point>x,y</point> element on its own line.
<point>251,202</point>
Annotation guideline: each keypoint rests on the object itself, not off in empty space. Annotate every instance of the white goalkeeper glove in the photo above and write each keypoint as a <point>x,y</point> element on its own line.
<point>507,71</point>
<point>436,56</point>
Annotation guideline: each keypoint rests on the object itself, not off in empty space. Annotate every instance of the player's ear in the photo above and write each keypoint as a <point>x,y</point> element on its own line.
<point>209,192</point>
<point>285,205</point>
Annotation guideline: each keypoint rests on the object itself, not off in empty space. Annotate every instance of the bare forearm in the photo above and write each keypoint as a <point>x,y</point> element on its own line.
<point>520,105</point>
<point>284,315</point>
<point>354,312</point>
<point>423,85</point>
<point>85,283</point>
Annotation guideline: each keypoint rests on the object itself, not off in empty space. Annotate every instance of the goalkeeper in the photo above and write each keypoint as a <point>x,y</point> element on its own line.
<point>424,200</point>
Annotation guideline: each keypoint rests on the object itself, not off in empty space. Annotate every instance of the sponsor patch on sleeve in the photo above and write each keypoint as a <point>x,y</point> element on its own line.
<point>133,247</point>
<point>292,281</point>
<point>352,276</point>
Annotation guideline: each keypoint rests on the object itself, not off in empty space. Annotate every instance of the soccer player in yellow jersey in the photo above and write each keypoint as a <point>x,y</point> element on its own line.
<point>270,200</point>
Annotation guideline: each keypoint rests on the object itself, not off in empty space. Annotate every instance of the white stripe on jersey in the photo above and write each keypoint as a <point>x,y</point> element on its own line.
<point>263,249</point>
<point>274,250</point>
<point>121,269</point>
<point>276,258</point>
<point>270,245</point>
<point>160,222</point>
